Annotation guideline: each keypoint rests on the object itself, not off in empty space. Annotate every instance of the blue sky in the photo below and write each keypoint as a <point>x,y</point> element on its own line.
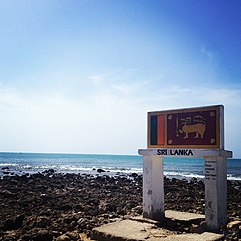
<point>80,76</point>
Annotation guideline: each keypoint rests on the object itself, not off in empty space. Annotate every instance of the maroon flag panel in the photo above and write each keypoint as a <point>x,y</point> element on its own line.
<point>200,127</point>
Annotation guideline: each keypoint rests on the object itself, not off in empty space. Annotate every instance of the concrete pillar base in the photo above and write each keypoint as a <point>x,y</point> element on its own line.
<point>153,188</point>
<point>215,192</point>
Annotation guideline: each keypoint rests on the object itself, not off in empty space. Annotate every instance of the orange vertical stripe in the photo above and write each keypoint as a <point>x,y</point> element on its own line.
<point>161,130</point>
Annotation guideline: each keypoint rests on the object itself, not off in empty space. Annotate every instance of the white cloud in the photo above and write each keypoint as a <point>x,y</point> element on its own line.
<point>54,123</point>
<point>106,122</point>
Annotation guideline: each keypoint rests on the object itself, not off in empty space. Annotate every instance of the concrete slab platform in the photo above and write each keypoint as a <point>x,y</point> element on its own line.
<point>173,215</point>
<point>141,229</point>
<point>183,216</point>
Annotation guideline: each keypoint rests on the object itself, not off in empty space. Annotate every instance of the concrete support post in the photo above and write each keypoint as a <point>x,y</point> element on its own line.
<point>215,192</point>
<point>153,187</point>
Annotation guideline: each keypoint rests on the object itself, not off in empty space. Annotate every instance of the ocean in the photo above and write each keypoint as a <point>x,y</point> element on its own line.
<point>22,163</point>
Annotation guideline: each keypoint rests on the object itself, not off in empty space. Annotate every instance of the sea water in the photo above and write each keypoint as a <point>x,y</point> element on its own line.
<point>20,163</point>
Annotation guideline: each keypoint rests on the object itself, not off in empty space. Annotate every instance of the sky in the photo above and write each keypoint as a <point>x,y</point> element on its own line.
<point>79,76</point>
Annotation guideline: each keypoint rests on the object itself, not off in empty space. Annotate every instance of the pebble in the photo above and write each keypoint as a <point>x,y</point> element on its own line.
<point>234,224</point>
<point>63,237</point>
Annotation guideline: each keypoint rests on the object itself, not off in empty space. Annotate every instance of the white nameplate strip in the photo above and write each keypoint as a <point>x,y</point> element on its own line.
<point>185,152</point>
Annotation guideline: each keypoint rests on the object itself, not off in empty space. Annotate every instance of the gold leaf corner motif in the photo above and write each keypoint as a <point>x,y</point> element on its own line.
<point>212,114</point>
<point>212,141</point>
<point>169,142</point>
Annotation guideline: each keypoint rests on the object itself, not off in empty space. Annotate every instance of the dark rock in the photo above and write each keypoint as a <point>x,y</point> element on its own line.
<point>42,235</point>
<point>9,224</point>
<point>6,173</point>
<point>42,222</point>
<point>110,207</point>
<point>19,221</point>
<point>66,207</point>
<point>49,172</point>
<point>193,180</point>
<point>100,170</point>
<point>5,168</point>
<point>7,194</point>
<point>133,174</point>
<point>113,187</point>
<point>174,179</point>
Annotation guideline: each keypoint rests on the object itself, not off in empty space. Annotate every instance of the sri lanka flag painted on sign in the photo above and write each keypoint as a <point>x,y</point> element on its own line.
<point>186,128</point>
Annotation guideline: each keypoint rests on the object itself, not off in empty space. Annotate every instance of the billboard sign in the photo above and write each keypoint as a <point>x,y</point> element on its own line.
<point>201,127</point>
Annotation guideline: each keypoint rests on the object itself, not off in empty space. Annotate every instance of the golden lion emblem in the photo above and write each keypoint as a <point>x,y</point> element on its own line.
<point>196,125</point>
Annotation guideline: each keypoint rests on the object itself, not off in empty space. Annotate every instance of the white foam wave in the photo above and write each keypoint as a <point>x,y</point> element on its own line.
<point>109,169</point>
<point>184,175</point>
<point>8,164</point>
<point>73,168</point>
<point>233,178</point>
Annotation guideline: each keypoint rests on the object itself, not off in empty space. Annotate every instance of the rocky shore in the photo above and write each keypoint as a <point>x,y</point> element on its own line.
<point>50,206</point>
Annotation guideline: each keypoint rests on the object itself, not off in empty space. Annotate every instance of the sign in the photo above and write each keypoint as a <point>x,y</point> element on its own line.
<point>210,169</point>
<point>201,127</point>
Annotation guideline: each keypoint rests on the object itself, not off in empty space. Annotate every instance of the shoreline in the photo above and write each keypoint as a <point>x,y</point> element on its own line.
<point>54,204</point>
<point>5,171</point>
<point>86,163</point>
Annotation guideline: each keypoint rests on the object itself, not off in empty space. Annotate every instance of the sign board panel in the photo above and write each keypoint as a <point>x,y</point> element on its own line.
<point>201,127</point>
